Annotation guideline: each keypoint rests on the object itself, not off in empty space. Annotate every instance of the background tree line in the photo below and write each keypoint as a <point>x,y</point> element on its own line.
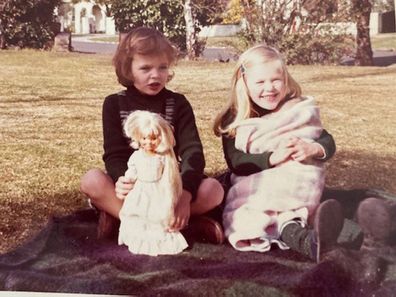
<point>303,30</point>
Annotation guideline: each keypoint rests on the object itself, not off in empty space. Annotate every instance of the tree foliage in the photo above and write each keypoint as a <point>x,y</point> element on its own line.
<point>383,5</point>
<point>166,16</point>
<point>29,23</point>
<point>307,30</point>
<point>299,29</point>
<point>208,13</point>
<point>233,13</point>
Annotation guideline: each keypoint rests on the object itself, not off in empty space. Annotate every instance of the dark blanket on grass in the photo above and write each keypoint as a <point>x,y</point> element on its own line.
<point>66,257</point>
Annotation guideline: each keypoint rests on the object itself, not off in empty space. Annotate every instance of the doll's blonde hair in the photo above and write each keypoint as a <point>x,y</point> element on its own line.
<point>143,41</point>
<point>240,106</point>
<point>141,124</point>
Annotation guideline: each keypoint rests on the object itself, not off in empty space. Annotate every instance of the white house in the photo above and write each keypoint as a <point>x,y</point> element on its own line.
<point>85,17</point>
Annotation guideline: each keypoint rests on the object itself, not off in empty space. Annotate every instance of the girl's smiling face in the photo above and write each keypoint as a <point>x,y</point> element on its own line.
<point>266,84</point>
<point>150,73</point>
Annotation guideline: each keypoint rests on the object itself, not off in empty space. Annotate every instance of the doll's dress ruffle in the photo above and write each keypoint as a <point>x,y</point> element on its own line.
<point>146,209</point>
<point>151,239</point>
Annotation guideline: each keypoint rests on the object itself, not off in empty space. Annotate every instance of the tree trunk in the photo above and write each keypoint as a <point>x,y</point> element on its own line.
<point>364,53</point>
<point>191,36</point>
<point>249,15</point>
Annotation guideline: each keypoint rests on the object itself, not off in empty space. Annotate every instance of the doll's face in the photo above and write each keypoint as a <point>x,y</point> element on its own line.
<point>149,142</point>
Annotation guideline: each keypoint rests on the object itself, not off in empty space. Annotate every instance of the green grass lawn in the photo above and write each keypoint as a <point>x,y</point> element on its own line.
<point>50,132</point>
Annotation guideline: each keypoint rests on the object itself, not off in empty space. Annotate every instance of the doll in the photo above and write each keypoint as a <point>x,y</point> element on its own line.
<point>149,206</point>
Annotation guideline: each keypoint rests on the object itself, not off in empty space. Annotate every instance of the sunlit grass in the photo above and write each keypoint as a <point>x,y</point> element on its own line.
<point>109,39</point>
<point>51,134</point>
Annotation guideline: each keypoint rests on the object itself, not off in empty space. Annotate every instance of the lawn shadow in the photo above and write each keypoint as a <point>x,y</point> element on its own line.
<point>23,218</point>
<point>352,169</point>
<point>353,176</point>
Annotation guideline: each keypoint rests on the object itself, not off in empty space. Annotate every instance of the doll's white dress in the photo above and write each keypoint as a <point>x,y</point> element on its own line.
<point>146,209</point>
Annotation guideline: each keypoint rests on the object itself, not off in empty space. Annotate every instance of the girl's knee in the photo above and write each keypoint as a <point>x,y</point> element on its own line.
<point>213,190</point>
<point>91,180</point>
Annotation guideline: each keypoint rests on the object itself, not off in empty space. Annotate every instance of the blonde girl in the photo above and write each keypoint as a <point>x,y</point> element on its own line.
<point>273,142</point>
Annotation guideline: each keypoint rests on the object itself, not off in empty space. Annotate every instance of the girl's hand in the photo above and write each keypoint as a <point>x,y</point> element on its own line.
<point>281,154</point>
<point>123,186</point>
<point>302,150</point>
<point>182,213</point>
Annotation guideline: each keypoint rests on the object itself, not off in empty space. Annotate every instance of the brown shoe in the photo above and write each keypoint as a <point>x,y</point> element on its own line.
<point>328,223</point>
<point>204,229</point>
<point>375,218</point>
<point>108,226</point>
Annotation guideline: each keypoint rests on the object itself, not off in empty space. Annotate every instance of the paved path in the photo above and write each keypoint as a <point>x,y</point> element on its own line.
<point>380,57</point>
<point>85,45</point>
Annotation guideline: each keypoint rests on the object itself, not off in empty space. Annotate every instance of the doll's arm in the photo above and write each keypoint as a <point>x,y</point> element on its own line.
<point>131,172</point>
<point>126,182</point>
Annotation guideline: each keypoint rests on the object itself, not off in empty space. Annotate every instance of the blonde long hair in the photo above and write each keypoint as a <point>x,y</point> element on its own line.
<point>240,106</point>
<point>141,124</point>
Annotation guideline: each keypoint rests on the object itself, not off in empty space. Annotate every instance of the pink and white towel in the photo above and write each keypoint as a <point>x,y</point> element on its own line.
<point>259,204</point>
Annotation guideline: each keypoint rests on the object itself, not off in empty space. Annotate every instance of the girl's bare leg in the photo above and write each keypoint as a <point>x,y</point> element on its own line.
<point>203,228</point>
<point>99,187</point>
<point>209,195</point>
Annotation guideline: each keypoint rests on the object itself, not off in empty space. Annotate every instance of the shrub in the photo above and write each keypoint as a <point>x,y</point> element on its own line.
<point>29,23</point>
<point>233,13</point>
<point>308,49</point>
<point>299,35</point>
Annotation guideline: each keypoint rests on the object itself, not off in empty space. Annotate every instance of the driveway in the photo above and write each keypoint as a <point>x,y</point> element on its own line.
<point>83,44</point>
<point>380,57</point>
